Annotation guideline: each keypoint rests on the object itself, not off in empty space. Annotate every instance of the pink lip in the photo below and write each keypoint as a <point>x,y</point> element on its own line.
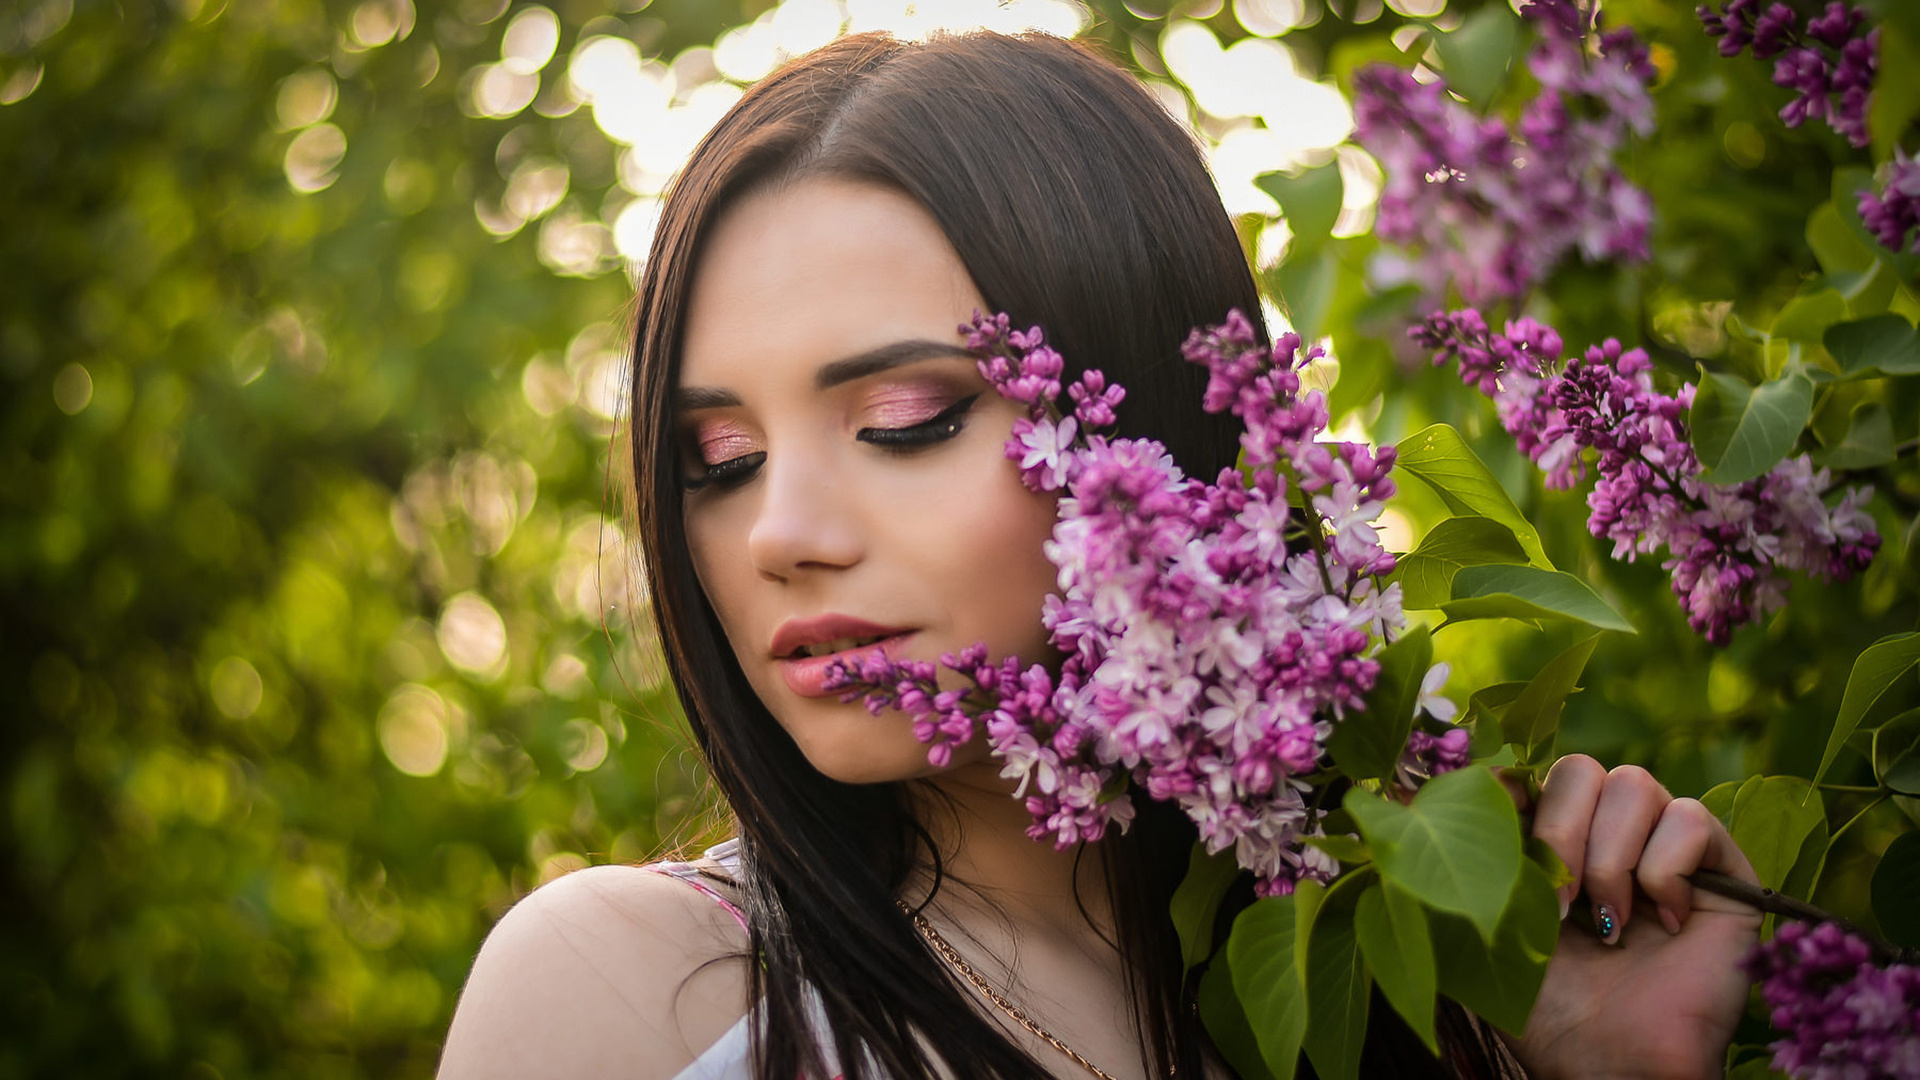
<point>807,675</point>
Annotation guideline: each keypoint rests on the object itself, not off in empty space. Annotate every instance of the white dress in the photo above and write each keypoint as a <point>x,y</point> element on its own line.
<point>727,1058</point>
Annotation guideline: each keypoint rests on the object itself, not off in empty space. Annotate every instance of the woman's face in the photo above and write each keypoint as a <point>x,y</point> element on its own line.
<point>845,462</point>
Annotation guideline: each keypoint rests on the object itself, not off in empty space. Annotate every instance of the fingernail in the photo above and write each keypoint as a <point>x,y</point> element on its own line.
<point>1566,905</point>
<point>1669,920</point>
<point>1605,923</point>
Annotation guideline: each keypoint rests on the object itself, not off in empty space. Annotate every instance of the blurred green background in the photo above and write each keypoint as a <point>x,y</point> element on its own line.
<point>321,636</point>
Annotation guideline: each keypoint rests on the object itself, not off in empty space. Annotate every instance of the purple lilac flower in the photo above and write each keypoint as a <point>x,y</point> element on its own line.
<point>1727,545</point>
<point>1492,209</point>
<point>1842,1017</point>
<point>1211,634</point>
<point>1894,211</point>
<point>1830,67</point>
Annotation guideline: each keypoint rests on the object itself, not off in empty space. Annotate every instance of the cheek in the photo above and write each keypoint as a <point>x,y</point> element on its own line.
<point>716,545</point>
<point>994,566</point>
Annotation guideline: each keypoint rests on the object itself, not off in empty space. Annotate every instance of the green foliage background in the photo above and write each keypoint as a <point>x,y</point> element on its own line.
<point>272,462</point>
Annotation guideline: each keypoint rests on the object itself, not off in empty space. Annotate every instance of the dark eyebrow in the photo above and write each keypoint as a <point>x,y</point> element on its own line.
<point>880,359</point>
<point>689,398</point>
<point>857,366</point>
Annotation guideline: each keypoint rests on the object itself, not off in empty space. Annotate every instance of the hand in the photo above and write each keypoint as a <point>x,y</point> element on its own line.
<point>1660,995</point>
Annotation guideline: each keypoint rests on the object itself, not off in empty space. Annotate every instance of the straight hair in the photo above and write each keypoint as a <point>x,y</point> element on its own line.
<point>1076,203</point>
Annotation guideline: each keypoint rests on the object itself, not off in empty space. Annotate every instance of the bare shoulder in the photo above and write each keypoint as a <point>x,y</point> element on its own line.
<point>609,971</point>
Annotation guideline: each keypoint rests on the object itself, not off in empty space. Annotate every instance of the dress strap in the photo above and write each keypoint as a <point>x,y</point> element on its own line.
<point>727,857</point>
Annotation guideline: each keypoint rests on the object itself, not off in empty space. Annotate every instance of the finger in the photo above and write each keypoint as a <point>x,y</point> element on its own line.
<point>1564,812</point>
<point>1678,845</point>
<point>1687,838</point>
<point>1631,802</point>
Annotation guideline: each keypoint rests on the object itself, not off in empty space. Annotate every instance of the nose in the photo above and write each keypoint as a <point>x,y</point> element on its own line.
<point>806,520</point>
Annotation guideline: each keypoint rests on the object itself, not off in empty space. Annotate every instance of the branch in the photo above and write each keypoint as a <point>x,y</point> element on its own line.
<point>1768,900</point>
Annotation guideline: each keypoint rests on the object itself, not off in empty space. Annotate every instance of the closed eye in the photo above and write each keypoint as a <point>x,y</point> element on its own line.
<point>726,473</point>
<point>942,426</point>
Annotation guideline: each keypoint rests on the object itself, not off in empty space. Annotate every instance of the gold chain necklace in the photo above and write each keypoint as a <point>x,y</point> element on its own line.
<point>1000,1001</point>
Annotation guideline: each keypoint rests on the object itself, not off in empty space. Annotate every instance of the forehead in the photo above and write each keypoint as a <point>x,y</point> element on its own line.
<point>803,275</point>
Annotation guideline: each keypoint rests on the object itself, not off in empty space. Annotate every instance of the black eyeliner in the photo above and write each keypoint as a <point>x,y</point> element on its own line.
<point>941,426</point>
<point>725,472</point>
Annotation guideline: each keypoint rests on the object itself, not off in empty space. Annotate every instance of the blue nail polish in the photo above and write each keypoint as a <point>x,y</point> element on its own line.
<point>1603,922</point>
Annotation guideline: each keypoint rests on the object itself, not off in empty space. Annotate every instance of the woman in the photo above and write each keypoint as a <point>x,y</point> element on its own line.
<point>819,467</point>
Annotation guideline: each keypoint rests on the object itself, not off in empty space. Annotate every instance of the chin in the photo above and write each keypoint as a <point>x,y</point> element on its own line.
<point>859,754</point>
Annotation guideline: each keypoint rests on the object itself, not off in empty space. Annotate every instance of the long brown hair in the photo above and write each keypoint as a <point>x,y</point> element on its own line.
<point>1076,203</point>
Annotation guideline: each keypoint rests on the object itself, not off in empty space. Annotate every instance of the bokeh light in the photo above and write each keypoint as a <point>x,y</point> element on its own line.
<point>530,40</point>
<point>473,637</point>
<point>414,729</point>
<point>313,158</point>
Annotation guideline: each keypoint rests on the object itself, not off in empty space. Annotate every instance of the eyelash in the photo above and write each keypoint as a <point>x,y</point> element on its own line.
<point>944,425</point>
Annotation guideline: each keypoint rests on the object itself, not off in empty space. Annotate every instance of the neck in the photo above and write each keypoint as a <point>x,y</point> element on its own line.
<point>981,832</point>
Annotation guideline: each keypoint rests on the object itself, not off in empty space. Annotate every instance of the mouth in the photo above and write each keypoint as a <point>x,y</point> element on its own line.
<point>804,651</point>
<point>837,646</point>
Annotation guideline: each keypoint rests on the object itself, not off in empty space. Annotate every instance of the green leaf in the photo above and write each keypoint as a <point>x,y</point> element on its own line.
<point>1903,776</point>
<point>1367,744</point>
<point>1266,954</point>
<point>1532,721</point>
<point>1483,719</point>
<point>1500,982</point>
<point>1439,458</point>
<point>1867,444</point>
<point>1741,431</point>
<point>1455,847</point>
<point>1366,365</point>
<point>1896,89</point>
<point>1226,1021</point>
<point>1489,703</point>
<point>1351,54</point>
<point>1808,315</point>
<point>1474,58</point>
<point>1548,860</point>
<point>1770,820</point>
<point>1529,593</point>
<point>1875,346</point>
<point>1426,573</point>
<point>1896,753</point>
<point>1338,987</point>
<point>1719,799</point>
<point>1804,875</point>
<point>1392,929</point>
<point>1896,890</point>
<point>1197,901</point>
<point>1310,202</point>
<point>1836,247</point>
<point>1874,672</point>
<point>1304,288</point>
<point>1759,1067</point>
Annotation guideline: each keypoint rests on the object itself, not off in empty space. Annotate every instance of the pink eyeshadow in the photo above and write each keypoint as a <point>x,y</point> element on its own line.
<point>721,440</point>
<point>905,404</point>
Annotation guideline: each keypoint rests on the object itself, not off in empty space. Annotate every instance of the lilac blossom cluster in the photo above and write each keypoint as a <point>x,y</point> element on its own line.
<point>1727,545</point>
<point>1894,211</point>
<point>1211,635</point>
<point>1829,65</point>
<point>1843,1017</point>
<point>1494,209</point>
